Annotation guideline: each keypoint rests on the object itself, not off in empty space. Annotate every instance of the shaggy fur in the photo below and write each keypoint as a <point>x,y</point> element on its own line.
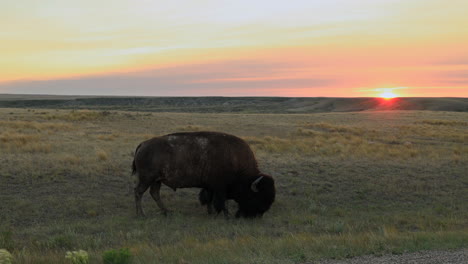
<point>222,165</point>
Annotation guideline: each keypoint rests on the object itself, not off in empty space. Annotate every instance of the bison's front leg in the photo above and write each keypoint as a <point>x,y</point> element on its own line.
<point>154,190</point>
<point>219,203</point>
<point>206,198</point>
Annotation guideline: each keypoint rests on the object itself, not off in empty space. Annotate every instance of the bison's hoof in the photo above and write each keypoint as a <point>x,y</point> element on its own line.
<point>141,215</point>
<point>166,212</point>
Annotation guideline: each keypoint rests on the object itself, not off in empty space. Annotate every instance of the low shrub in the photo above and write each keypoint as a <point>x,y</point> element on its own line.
<point>78,257</point>
<point>121,256</point>
<point>5,257</point>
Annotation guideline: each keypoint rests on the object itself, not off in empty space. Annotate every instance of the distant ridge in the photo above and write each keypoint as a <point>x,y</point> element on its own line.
<point>234,104</point>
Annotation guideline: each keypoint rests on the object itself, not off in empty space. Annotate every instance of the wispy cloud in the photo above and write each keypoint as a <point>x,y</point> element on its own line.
<point>383,89</point>
<point>234,78</point>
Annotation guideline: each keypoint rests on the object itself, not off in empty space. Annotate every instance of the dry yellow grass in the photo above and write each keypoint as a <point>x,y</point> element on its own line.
<point>79,115</point>
<point>21,125</point>
<point>439,122</point>
<point>192,128</point>
<point>17,142</point>
<point>37,148</point>
<point>109,137</point>
<point>17,139</point>
<point>339,141</point>
<point>71,159</point>
<point>335,128</point>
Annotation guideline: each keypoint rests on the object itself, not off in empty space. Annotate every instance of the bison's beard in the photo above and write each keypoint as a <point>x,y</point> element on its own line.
<point>253,208</point>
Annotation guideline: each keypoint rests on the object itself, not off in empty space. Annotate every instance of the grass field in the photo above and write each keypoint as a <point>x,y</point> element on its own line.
<point>348,184</point>
<point>277,105</point>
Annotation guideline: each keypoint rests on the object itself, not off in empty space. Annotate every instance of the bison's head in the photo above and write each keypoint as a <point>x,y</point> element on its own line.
<point>258,198</point>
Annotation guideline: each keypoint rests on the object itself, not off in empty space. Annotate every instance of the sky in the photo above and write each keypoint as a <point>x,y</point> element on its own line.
<point>332,48</point>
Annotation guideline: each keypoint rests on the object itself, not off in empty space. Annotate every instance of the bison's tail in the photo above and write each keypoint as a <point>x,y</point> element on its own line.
<point>134,169</point>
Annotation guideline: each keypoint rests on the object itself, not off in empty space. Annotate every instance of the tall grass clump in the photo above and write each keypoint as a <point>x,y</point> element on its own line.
<point>113,256</point>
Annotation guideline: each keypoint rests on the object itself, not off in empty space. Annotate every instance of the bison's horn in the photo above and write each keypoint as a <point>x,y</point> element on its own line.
<point>254,184</point>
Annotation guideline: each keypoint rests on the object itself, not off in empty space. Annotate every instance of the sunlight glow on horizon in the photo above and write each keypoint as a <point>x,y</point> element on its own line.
<point>388,95</point>
<point>301,48</point>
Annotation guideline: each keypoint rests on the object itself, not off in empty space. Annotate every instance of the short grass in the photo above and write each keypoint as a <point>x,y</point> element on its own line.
<point>251,105</point>
<point>348,184</point>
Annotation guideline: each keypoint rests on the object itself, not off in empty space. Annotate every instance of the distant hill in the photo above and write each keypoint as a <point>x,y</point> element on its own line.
<point>233,104</point>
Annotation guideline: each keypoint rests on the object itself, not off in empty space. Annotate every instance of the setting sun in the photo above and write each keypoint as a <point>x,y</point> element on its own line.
<point>388,95</point>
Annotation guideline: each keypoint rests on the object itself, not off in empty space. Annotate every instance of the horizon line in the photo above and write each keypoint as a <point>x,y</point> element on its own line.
<point>220,96</point>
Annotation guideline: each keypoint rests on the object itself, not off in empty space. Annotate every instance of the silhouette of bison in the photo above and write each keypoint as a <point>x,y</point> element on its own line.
<point>222,165</point>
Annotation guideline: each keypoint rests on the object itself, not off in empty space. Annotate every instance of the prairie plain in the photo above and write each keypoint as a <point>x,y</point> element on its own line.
<point>348,184</point>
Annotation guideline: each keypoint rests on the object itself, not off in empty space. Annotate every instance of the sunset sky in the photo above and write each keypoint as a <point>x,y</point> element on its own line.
<point>335,48</point>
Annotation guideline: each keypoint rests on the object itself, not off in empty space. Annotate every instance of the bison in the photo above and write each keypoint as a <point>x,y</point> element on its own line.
<point>222,165</point>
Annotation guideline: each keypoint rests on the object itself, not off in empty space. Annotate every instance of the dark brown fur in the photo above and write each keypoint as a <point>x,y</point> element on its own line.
<point>223,165</point>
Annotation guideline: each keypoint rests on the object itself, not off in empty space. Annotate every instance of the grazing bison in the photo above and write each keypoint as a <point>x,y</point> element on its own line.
<point>222,165</point>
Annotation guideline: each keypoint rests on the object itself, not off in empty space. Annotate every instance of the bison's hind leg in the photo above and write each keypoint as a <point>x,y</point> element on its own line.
<point>155,194</point>
<point>206,198</point>
<point>139,190</point>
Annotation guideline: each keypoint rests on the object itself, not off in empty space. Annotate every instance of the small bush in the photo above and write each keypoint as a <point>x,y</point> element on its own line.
<point>78,257</point>
<point>121,256</point>
<point>5,257</point>
<point>102,155</point>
